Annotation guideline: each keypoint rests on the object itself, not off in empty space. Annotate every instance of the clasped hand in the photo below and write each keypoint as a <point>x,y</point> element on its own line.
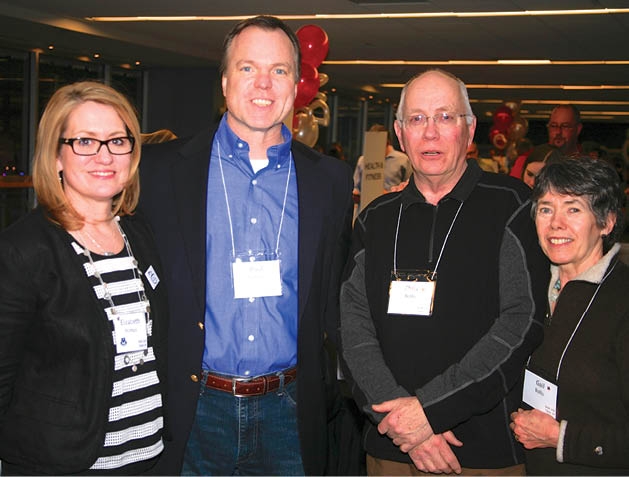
<point>406,424</point>
<point>534,429</point>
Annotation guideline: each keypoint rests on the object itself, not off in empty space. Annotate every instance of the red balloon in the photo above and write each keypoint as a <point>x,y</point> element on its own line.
<point>314,44</point>
<point>495,130</point>
<point>308,85</point>
<point>498,137</point>
<point>503,117</point>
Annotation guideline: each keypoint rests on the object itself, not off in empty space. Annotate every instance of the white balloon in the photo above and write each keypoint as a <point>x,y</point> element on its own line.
<point>306,129</point>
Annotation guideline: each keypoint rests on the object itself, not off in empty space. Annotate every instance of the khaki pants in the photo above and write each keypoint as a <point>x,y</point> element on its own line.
<point>377,466</point>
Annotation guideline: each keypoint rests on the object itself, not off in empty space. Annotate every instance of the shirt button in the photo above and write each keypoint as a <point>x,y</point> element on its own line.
<point>201,325</point>
<point>240,145</point>
<point>254,182</point>
<point>598,450</point>
<point>250,338</point>
<point>247,373</point>
<point>251,299</point>
<point>254,220</point>
<point>194,378</point>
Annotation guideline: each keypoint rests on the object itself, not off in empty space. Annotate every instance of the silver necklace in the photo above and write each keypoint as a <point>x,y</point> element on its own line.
<point>104,252</point>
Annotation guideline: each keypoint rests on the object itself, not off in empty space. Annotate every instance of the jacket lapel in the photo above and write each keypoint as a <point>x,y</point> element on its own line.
<point>310,185</point>
<point>189,181</point>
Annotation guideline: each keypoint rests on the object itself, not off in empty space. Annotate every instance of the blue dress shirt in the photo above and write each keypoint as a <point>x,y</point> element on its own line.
<point>250,336</point>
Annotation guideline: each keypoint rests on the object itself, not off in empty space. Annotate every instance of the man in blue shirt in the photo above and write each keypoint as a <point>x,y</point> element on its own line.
<point>253,235</point>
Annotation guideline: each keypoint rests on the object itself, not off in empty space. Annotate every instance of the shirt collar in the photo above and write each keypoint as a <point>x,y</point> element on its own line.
<point>460,192</point>
<point>595,273</point>
<point>231,144</point>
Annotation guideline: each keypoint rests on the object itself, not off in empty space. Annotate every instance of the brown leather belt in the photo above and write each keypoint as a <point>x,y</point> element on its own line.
<point>245,387</point>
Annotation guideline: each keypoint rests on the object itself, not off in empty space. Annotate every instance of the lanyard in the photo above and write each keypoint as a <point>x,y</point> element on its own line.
<point>107,296</point>
<point>443,246</point>
<point>579,323</point>
<point>229,215</point>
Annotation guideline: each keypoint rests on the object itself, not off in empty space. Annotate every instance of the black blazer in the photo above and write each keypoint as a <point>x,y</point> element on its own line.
<point>56,351</point>
<point>174,188</point>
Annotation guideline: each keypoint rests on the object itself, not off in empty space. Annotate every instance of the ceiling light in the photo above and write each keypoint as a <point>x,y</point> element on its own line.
<point>588,103</point>
<point>609,113</point>
<point>365,16</point>
<point>514,62</point>
<point>527,86</point>
<point>523,62</point>
<point>369,89</point>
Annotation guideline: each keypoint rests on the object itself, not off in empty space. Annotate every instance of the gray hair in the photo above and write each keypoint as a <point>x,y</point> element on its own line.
<point>462,90</point>
<point>593,179</point>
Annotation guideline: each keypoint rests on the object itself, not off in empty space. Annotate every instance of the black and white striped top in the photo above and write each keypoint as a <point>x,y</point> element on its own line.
<point>134,428</point>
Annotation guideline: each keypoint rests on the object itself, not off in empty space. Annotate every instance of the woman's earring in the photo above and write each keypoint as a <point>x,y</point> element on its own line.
<point>60,173</point>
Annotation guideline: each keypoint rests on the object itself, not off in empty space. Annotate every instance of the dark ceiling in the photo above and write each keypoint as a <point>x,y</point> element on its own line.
<point>31,24</point>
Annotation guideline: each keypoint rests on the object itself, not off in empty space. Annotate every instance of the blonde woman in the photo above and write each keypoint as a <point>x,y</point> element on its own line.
<point>82,309</point>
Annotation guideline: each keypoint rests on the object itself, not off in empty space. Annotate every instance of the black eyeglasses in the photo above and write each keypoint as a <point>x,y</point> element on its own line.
<point>89,146</point>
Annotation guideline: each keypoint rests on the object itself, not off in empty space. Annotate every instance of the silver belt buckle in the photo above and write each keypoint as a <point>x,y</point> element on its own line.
<point>238,380</point>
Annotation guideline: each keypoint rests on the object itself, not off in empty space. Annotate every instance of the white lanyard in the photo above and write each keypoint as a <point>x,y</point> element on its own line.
<point>580,320</point>
<point>107,296</point>
<point>131,329</point>
<point>443,246</point>
<point>229,216</point>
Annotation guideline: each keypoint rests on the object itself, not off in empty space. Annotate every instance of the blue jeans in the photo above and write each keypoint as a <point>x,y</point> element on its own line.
<point>244,436</point>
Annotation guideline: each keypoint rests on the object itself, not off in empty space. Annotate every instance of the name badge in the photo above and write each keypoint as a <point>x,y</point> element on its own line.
<point>540,393</point>
<point>411,293</point>
<point>151,276</point>
<point>131,332</point>
<point>257,278</point>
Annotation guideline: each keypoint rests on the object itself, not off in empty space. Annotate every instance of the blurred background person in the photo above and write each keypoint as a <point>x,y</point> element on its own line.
<point>594,149</point>
<point>336,150</point>
<point>523,147</point>
<point>82,311</point>
<point>485,164</point>
<point>585,352</point>
<point>535,162</point>
<point>564,127</point>
<point>397,168</point>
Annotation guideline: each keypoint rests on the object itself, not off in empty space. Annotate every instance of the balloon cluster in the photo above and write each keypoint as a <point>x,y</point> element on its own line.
<point>314,45</point>
<point>508,128</point>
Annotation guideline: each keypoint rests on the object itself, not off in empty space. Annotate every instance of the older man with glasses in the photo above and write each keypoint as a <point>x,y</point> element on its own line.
<point>443,299</point>
<point>564,128</point>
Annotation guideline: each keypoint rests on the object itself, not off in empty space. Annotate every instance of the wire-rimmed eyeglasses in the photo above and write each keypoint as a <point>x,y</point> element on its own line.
<point>440,119</point>
<point>561,126</point>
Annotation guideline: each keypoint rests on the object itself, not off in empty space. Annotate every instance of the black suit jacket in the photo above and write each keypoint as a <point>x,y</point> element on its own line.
<point>56,350</point>
<point>174,188</point>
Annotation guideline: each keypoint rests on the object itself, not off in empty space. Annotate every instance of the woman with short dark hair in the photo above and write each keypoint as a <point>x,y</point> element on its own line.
<point>577,381</point>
